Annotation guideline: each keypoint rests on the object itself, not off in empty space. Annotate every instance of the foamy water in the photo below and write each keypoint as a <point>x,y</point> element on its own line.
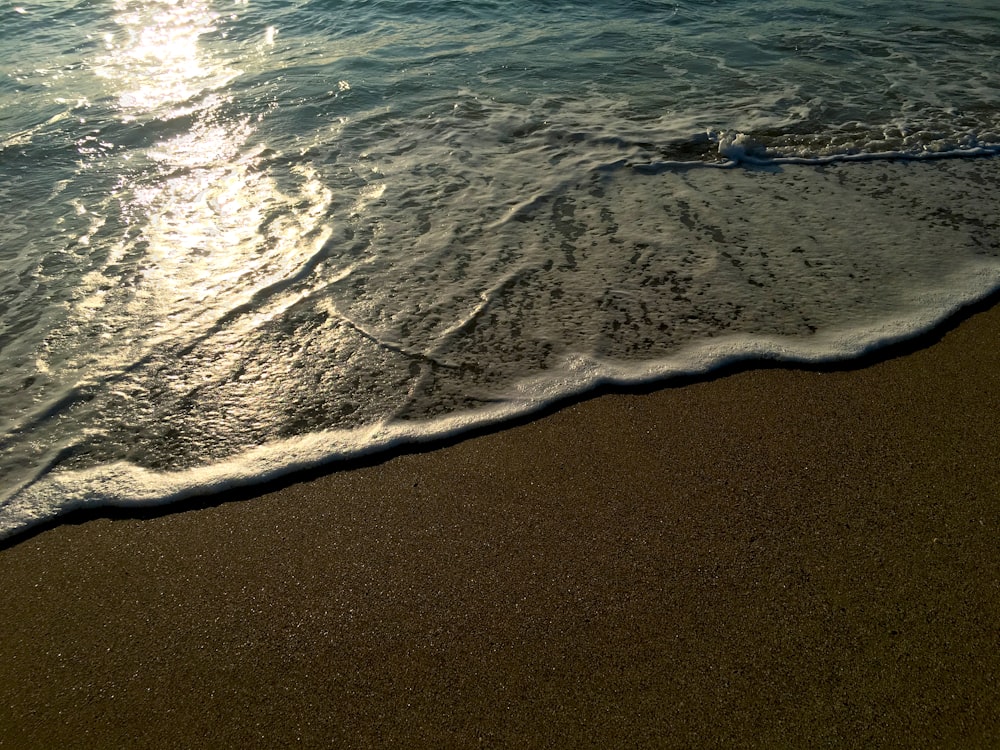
<point>245,238</point>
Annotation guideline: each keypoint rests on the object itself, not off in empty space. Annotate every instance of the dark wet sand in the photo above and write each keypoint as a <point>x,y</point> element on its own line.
<point>775,558</point>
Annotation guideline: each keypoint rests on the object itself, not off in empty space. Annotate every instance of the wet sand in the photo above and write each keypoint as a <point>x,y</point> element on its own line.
<point>773,558</point>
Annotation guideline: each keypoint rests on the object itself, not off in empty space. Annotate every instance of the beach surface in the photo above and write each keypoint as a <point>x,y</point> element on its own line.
<point>774,558</point>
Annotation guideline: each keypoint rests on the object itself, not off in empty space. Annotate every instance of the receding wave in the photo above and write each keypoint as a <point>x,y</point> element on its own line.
<point>469,318</point>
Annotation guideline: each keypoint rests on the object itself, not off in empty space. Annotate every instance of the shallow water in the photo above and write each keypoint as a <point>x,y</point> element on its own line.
<point>240,239</point>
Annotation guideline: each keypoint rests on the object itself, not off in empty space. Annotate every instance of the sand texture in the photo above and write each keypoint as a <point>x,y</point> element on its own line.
<point>772,558</point>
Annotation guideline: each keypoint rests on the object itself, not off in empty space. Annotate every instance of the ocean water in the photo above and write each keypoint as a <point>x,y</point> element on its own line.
<point>243,238</point>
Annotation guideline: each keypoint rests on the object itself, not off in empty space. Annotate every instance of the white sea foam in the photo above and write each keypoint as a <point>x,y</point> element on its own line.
<point>728,240</point>
<point>124,485</point>
<point>742,148</point>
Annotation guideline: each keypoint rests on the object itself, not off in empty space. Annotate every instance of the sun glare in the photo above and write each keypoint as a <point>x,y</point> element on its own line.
<point>207,216</point>
<point>154,55</point>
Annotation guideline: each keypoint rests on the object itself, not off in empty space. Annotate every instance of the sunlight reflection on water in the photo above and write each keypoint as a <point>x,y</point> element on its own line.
<point>155,57</point>
<point>213,224</point>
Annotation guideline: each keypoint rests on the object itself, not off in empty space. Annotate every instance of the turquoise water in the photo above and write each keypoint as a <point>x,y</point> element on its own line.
<point>241,238</point>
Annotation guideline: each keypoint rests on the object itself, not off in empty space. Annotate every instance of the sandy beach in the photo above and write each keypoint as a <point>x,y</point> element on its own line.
<point>771,558</point>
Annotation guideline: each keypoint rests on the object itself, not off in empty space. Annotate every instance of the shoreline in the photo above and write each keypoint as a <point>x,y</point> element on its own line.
<point>249,490</point>
<point>768,556</point>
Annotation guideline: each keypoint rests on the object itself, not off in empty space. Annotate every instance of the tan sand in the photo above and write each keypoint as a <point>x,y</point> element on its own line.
<point>774,558</point>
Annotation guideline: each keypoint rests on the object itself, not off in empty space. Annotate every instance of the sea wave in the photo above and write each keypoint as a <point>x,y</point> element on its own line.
<point>245,239</point>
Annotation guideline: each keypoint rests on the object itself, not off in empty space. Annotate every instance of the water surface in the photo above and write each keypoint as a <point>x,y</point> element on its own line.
<point>244,238</point>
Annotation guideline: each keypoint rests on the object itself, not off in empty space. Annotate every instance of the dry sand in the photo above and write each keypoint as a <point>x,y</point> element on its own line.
<point>773,558</point>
